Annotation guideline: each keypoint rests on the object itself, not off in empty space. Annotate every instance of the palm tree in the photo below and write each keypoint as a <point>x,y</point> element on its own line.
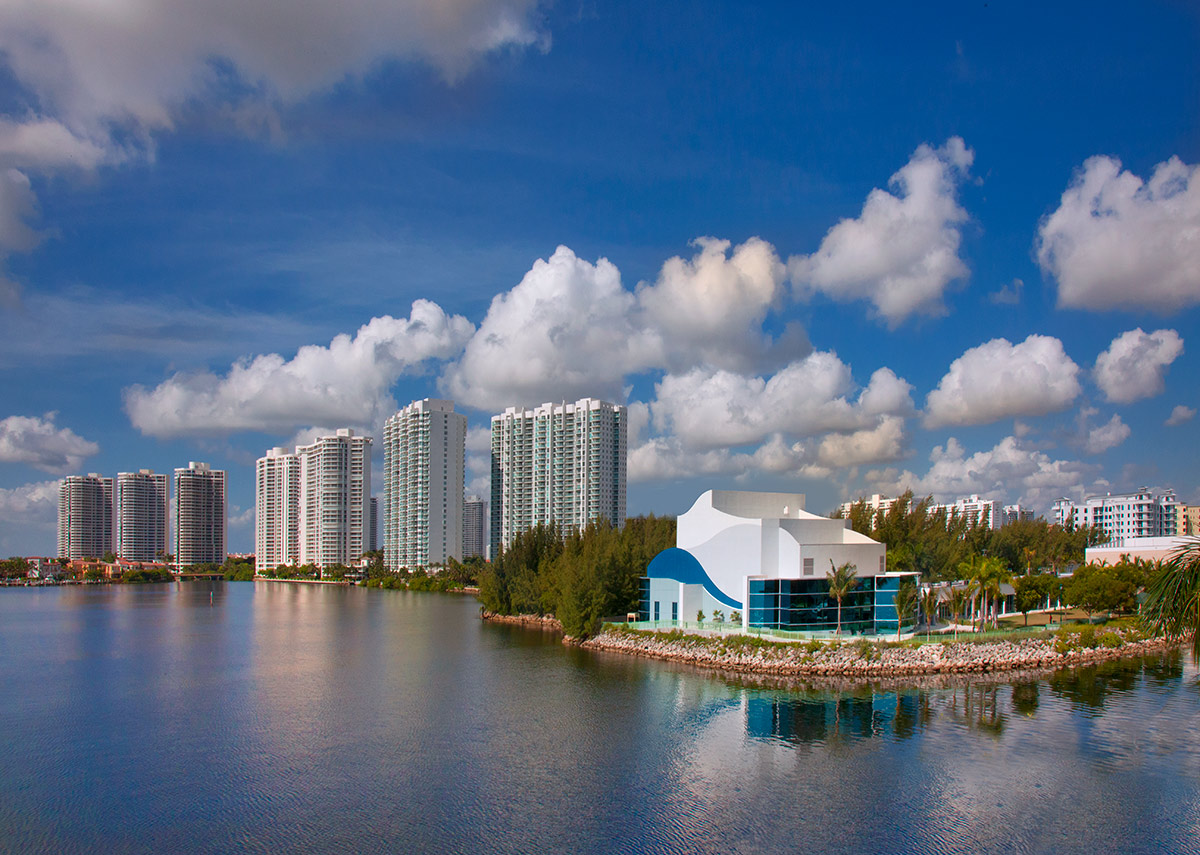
<point>906,602</point>
<point>957,603</point>
<point>929,605</point>
<point>968,571</point>
<point>1172,604</point>
<point>994,573</point>
<point>841,582</point>
<point>972,593</point>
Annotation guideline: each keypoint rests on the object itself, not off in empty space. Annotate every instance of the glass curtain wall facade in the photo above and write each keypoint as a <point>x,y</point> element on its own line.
<point>199,515</point>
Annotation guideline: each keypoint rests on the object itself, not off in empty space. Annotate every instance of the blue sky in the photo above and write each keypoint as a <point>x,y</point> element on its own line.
<point>834,249</point>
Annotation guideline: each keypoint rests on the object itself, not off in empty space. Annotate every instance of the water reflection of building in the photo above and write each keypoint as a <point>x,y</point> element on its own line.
<point>763,555</point>
<point>809,720</point>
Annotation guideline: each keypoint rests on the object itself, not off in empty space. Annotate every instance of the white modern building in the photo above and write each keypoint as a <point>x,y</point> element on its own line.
<point>560,464</point>
<point>1124,515</point>
<point>85,516</point>
<point>1133,548</point>
<point>474,527</point>
<point>199,515</point>
<point>762,555</point>
<point>277,509</point>
<point>141,515</point>
<point>424,449</point>
<point>335,493</point>
<point>976,510</point>
<point>875,504</point>
<point>373,525</point>
<point>1017,513</point>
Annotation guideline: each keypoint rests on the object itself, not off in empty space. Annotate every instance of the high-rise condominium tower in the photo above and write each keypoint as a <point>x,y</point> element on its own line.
<point>276,509</point>
<point>473,527</point>
<point>335,492</point>
<point>424,447</point>
<point>558,463</point>
<point>141,511</point>
<point>199,515</point>
<point>85,516</point>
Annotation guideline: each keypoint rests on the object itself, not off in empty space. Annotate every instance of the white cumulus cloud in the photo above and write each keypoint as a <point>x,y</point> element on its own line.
<point>42,444</point>
<point>29,506</point>
<point>708,408</point>
<point>880,444</point>
<point>999,380</point>
<point>901,252</point>
<point>1116,241</point>
<point>1010,469</point>
<point>710,308</point>
<point>1133,366</point>
<point>565,331</point>
<point>1109,435</point>
<point>347,382</point>
<point>1180,415</point>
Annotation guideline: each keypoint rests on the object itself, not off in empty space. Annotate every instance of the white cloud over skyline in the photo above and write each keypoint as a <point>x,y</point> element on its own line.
<point>999,380</point>
<point>39,442</point>
<point>1116,241</point>
<point>901,252</point>
<point>1011,469</point>
<point>1133,366</point>
<point>349,381</point>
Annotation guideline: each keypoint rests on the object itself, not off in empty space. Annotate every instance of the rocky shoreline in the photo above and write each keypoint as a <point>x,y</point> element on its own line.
<point>537,621</point>
<point>863,660</point>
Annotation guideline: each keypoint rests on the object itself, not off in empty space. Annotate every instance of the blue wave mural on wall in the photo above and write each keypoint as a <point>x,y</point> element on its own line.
<point>682,566</point>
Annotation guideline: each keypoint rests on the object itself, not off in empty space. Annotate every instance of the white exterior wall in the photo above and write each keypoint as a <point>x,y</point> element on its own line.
<point>735,535</point>
<point>423,462</point>
<point>276,510</point>
<point>559,464</point>
<point>1123,516</point>
<point>335,486</point>
<point>141,515</point>
<point>86,528</point>
<point>199,515</point>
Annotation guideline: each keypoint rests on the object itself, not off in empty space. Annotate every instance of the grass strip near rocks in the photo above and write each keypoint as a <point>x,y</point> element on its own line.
<point>1069,645</point>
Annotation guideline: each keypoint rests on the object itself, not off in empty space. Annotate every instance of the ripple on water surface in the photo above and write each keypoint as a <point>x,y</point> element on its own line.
<point>254,717</point>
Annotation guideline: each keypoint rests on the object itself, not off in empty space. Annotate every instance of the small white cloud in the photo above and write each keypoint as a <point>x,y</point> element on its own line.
<point>901,253</point>
<point>998,380</point>
<point>348,382</point>
<point>1134,364</point>
<point>1118,242</point>
<point>1009,295</point>
<point>42,444</point>
<point>1106,436</point>
<point>1180,415</point>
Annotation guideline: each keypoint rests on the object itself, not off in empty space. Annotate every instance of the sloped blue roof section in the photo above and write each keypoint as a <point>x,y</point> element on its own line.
<point>681,566</point>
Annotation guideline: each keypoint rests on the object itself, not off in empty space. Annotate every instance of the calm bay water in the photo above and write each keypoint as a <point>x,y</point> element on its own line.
<point>260,717</point>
